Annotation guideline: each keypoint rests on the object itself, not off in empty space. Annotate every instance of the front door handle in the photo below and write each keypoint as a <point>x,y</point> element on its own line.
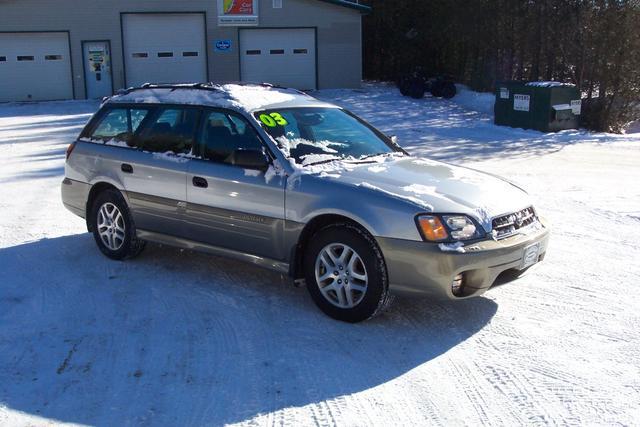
<point>199,182</point>
<point>126,168</point>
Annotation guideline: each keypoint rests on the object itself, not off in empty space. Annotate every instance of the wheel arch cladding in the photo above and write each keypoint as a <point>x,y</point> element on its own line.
<point>310,229</point>
<point>96,189</point>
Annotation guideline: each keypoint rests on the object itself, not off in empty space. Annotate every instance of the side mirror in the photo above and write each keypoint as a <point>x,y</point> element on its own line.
<point>249,159</point>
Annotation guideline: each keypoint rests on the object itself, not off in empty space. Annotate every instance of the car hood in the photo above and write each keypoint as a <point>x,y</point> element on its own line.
<point>436,186</point>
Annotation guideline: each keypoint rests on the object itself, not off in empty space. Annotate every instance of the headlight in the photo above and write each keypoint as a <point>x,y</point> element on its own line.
<point>442,228</point>
<point>462,228</point>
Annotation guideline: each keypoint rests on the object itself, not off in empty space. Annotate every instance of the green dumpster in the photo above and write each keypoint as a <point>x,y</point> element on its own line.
<point>544,106</point>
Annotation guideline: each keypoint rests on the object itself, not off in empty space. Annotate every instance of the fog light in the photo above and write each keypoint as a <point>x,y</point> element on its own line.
<point>457,285</point>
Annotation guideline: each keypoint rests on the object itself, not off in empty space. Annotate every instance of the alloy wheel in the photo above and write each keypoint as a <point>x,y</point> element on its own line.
<point>111,227</point>
<point>341,275</point>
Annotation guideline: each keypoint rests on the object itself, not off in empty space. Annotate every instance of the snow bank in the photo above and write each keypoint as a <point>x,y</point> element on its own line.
<point>481,102</point>
<point>633,127</point>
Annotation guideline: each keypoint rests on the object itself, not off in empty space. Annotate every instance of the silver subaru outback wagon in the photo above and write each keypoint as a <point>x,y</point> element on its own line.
<point>280,179</point>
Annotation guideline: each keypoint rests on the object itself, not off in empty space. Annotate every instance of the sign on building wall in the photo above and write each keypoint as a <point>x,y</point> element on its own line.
<point>222,45</point>
<point>521,102</point>
<point>237,12</point>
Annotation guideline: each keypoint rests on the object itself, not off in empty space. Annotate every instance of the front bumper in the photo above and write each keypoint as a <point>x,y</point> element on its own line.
<point>423,268</point>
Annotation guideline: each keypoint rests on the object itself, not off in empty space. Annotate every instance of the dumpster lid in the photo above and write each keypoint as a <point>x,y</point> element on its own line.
<point>550,84</point>
<point>560,107</point>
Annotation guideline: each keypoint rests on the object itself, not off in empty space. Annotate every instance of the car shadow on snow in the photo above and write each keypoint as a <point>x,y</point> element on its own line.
<point>177,337</point>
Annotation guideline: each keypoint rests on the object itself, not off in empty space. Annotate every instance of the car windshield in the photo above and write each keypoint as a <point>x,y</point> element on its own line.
<point>315,135</point>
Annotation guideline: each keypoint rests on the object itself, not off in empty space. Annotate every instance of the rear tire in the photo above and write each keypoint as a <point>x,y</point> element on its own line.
<point>113,228</point>
<point>346,274</point>
<point>448,90</point>
<point>403,86</point>
<point>416,88</point>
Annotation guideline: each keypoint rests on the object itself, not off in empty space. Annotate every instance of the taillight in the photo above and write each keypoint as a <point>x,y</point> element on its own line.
<point>70,149</point>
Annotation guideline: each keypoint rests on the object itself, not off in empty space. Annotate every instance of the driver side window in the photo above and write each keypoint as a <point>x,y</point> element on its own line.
<point>223,133</point>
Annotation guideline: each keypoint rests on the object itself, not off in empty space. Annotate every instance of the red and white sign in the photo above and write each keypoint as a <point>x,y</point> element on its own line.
<point>237,12</point>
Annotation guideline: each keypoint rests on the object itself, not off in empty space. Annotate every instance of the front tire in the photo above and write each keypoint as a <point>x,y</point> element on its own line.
<point>346,274</point>
<point>113,227</point>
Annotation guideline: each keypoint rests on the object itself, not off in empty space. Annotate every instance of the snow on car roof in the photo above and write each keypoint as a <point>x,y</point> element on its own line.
<point>248,97</point>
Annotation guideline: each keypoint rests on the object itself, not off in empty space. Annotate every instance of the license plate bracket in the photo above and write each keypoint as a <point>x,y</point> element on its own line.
<point>530,255</point>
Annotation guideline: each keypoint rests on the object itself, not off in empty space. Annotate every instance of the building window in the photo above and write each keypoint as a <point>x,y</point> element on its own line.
<point>300,51</point>
<point>276,51</point>
<point>25,58</point>
<point>165,54</point>
<point>3,58</point>
<point>277,4</point>
<point>140,55</point>
<point>53,57</point>
<point>254,52</point>
<point>189,53</point>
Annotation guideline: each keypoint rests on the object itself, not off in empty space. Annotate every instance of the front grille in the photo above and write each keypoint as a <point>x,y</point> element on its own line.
<point>510,224</point>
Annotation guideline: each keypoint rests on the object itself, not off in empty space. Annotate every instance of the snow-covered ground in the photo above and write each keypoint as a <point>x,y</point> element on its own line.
<point>179,338</point>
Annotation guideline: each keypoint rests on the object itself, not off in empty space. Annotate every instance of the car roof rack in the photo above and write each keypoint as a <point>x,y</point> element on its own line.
<point>210,86</point>
<point>177,86</point>
<point>263,84</point>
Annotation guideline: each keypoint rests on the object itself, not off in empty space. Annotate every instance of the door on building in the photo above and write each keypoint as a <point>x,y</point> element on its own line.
<point>164,48</point>
<point>35,66</point>
<point>282,56</point>
<point>97,68</point>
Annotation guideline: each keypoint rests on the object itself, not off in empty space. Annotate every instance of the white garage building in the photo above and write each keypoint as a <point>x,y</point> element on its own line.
<point>68,49</point>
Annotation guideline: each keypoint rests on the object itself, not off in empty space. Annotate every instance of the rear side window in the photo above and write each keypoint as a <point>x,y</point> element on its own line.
<point>119,125</point>
<point>173,129</point>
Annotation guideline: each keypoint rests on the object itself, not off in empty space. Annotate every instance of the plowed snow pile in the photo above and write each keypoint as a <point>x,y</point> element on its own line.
<point>178,338</point>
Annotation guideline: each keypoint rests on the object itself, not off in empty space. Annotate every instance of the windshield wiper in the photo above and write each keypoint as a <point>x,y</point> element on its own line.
<point>319,162</point>
<point>349,159</point>
<point>368,156</point>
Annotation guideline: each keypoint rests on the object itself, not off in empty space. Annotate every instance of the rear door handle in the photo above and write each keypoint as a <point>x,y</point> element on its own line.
<point>126,168</point>
<point>199,182</point>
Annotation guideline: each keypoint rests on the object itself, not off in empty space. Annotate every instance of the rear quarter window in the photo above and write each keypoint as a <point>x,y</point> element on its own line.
<point>117,126</point>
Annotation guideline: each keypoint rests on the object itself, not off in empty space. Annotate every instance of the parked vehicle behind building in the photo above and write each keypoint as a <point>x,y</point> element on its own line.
<point>416,84</point>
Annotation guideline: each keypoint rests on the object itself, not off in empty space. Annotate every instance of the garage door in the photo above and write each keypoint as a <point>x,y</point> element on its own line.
<point>35,67</point>
<point>164,48</point>
<point>283,56</point>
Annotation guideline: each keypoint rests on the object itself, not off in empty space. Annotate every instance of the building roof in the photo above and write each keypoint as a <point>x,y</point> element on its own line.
<point>240,96</point>
<point>350,4</point>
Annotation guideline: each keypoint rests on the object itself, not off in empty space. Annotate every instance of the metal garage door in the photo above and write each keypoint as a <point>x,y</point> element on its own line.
<point>164,48</point>
<point>283,56</point>
<point>35,67</point>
